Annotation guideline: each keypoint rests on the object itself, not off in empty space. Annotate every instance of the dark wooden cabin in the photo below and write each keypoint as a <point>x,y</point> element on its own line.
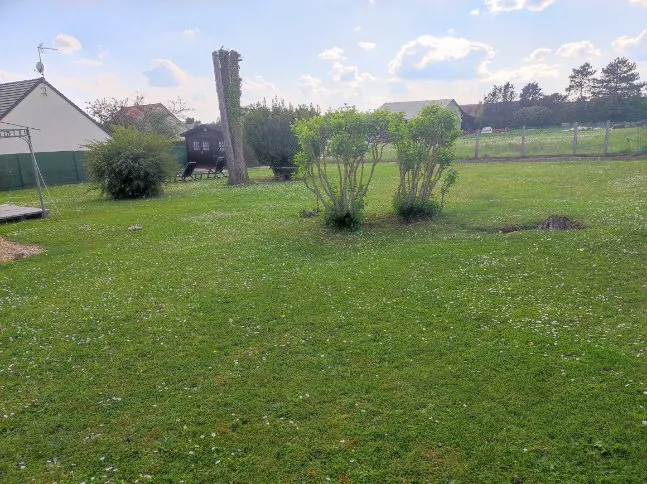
<point>205,143</point>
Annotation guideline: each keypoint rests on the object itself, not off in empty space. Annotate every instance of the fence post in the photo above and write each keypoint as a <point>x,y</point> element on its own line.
<point>607,126</point>
<point>575,125</point>
<point>523,141</point>
<point>476,146</point>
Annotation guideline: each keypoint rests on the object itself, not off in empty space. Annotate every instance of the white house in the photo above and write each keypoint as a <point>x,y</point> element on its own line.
<point>412,108</point>
<point>61,126</point>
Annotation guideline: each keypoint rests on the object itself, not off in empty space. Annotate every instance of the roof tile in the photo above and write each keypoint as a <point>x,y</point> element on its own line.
<point>12,93</point>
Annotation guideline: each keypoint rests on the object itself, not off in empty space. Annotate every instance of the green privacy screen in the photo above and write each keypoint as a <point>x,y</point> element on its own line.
<point>59,167</point>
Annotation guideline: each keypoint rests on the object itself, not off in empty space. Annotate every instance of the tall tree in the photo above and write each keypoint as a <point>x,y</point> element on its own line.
<point>498,106</point>
<point>620,80</point>
<point>228,85</point>
<point>581,82</point>
<point>268,132</point>
<point>530,95</point>
<point>156,118</point>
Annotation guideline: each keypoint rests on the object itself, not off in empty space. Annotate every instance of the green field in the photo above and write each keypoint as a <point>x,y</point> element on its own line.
<point>231,340</point>
<point>550,142</point>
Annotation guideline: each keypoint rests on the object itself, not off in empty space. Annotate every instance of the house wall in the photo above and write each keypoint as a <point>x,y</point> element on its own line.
<point>453,105</point>
<point>62,126</point>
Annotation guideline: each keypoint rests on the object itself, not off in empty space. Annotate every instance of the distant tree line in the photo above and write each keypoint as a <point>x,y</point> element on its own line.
<point>617,94</point>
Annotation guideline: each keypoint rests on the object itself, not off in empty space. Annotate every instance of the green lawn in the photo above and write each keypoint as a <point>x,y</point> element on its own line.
<point>230,340</point>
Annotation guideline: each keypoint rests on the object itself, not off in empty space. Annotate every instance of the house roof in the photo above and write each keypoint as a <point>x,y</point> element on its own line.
<point>12,93</point>
<point>202,127</point>
<point>412,108</point>
<point>471,109</point>
<point>139,110</point>
<point>128,114</point>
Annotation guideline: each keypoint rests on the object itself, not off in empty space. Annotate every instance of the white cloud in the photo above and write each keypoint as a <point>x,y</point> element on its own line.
<point>418,55</point>
<point>342,73</point>
<point>580,49</point>
<point>310,86</point>
<point>367,45</point>
<point>256,88</point>
<point>334,54</point>
<point>638,2</point>
<point>636,47</point>
<point>523,74</point>
<point>625,42</point>
<point>496,6</point>
<point>165,73</point>
<point>538,55</point>
<point>358,28</point>
<point>97,61</point>
<point>67,44</point>
<point>191,32</point>
<point>475,12</point>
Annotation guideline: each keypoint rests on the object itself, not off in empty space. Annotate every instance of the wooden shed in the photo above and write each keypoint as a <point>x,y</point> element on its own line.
<point>205,143</point>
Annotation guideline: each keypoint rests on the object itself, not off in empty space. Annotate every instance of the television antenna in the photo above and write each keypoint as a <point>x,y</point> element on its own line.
<point>40,67</point>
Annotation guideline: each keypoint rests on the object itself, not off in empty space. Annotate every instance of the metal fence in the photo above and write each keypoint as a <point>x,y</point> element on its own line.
<point>596,140</point>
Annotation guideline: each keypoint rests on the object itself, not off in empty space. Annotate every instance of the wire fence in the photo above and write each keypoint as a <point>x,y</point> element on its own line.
<point>596,140</point>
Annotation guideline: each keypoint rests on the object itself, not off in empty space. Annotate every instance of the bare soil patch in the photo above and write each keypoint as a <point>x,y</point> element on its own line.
<point>11,251</point>
<point>559,222</point>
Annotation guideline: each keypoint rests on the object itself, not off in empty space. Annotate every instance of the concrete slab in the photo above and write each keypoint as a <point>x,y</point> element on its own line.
<point>10,212</point>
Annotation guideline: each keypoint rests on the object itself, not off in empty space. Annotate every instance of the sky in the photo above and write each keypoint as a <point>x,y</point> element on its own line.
<point>325,52</point>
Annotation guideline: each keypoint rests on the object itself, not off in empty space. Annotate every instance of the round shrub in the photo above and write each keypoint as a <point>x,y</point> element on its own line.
<point>130,164</point>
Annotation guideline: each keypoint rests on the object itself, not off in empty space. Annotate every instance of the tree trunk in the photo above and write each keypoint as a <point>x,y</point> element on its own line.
<point>232,137</point>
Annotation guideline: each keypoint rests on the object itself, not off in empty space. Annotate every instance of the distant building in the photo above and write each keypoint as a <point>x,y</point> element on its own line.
<point>470,113</point>
<point>59,124</point>
<point>412,108</point>
<point>150,117</point>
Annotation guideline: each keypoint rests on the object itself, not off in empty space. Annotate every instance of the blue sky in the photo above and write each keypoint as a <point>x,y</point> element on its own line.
<point>328,52</point>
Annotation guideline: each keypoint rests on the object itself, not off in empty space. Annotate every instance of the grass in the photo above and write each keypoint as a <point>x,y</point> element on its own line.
<point>230,340</point>
<point>549,142</point>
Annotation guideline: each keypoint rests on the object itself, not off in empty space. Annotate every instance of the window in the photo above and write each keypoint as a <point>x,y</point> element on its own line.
<point>221,145</point>
<point>205,146</point>
<point>196,146</point>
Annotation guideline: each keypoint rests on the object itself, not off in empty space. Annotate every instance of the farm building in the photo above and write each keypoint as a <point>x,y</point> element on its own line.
<point>205,143</point>
<point>59,131</point>
<point>412,108</point>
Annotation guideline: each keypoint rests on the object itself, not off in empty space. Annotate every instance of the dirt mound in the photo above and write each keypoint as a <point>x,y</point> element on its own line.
<point>559,222</point>
<point>10,251</point>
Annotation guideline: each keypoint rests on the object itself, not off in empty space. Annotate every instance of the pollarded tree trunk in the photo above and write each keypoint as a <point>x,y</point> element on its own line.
<point>228,88</point>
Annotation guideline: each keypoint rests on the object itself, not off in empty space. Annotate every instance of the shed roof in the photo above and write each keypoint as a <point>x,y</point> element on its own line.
<point>412,108</point>
<point>202,127</point>
<point>11,93</point>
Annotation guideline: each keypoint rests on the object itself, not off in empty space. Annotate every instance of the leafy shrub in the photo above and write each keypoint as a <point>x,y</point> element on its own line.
<point>424,148</point>
<point>417,208</point>
<point>333,160</point>
<point>269,134</point>
<point>131,164</point>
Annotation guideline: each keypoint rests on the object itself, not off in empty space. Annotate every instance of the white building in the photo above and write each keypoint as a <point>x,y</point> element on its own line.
<point>61,126</point>
<point>412,108</point>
